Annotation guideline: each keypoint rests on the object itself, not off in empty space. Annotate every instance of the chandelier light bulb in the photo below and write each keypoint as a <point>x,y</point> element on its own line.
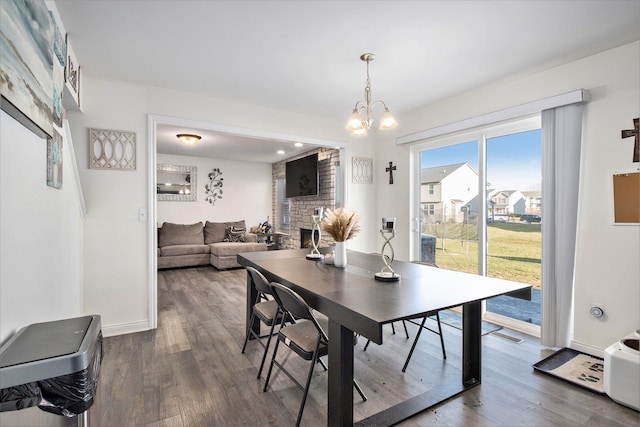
<point>355,121</point>
<point>387,121</point>
<point>359,132</point>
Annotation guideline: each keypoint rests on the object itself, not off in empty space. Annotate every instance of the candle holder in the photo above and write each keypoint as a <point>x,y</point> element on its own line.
<point>388,232</point>
<point>318,213</point>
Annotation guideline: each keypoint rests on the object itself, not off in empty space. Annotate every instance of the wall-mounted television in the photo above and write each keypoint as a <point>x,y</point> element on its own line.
<point>301,176</point>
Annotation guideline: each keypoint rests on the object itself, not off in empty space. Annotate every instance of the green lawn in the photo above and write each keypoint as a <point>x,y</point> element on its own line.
<point>514,250</point>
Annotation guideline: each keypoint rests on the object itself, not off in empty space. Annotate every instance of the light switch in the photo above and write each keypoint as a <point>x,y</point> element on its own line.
<point>142,214</point>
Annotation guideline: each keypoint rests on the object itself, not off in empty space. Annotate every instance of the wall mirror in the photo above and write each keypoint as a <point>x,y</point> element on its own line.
<point>176,183</point>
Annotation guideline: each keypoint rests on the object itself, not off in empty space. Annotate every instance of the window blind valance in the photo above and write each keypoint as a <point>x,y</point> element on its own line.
<point>574,97</point>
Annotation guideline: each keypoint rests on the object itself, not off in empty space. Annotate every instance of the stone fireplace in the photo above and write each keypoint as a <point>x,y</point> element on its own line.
<point>301,208</point>
<point>305,238</point>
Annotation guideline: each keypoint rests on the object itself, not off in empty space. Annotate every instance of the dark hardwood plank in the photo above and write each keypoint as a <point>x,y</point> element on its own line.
<point>190,372</point>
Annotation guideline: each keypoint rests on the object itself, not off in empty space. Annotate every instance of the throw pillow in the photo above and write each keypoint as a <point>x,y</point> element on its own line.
<point>234,234</point>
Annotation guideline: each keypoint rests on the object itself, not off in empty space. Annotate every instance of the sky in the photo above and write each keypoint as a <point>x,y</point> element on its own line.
<point>513,161</point>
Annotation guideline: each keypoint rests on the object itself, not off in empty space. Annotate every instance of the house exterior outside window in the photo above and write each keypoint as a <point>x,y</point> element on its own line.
<point>282,206</point>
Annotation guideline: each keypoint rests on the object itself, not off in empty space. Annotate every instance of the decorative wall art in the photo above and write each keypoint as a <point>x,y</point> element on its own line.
<point>27,60</point>
<point>54,160</point>
<point>636,142</point>
<point>72,77</point>
<point>362,170</point>
<point>60,59</point>
<point>390,169</point>
<point>213,188</point>
<point>176,183</point>
<point>59,42</point>
<point>112,149</point>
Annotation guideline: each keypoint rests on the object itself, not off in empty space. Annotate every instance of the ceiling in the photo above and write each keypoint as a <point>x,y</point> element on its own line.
<point>303,56</point>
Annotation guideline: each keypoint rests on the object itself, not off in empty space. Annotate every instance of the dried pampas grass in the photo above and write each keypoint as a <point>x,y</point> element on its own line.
<point>341,224</point>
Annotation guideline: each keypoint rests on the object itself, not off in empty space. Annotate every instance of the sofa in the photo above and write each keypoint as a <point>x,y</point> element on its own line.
<point>215,243</point>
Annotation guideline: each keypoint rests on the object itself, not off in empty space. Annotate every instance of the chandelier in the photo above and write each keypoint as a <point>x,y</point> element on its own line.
<point>360,119</point>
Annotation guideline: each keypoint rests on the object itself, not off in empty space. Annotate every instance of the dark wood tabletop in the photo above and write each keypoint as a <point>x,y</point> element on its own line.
<point>355,299</point>
<point>355,302</point>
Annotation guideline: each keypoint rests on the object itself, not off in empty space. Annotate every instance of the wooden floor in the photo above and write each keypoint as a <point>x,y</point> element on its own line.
<point>190,372</point>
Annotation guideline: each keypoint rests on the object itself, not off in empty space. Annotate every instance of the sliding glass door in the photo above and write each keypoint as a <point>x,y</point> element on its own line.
<point>514,235</point>
<point>479,211</point>
<point>449,206</point>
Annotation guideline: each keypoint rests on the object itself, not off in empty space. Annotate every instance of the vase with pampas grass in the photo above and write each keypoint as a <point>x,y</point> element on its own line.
<point>341,224</point>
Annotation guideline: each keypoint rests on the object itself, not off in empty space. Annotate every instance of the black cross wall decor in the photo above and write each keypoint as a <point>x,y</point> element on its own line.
<point>390,169</point>
<point>634,132</point>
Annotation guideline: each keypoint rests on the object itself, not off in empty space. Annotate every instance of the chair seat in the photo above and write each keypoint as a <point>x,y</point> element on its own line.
<point>267,312</point>
<point>302,338</point>
<point>307,337</point>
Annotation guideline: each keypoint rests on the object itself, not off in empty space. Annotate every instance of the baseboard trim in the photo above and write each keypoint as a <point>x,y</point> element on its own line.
<point>585,348</point>
<point>126,328</point>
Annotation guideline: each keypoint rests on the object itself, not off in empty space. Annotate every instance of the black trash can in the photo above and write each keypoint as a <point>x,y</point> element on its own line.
<point>54,366</point>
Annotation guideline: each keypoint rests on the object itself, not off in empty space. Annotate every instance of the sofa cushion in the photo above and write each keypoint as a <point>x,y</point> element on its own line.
<point>234,248</point>
<point>215,232</point>
<point>174,250</point>
<point>180,234</point>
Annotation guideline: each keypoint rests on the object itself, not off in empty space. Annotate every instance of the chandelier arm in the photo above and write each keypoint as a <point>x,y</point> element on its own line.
<point>359,106</point>
<point>379,101</point>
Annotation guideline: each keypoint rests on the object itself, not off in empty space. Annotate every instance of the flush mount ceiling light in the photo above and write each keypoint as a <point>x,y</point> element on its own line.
<point>360,119</point>
<point>188,138</point>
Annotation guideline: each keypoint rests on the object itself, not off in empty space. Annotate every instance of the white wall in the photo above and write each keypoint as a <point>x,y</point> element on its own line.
<point>246,193</point>
<point>40,234</point>
<point>116,248</point>
<point>362,197</point>
<point>116,252</point>
<point>607,268</point>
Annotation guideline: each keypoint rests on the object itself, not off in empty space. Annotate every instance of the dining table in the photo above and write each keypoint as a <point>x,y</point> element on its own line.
<point>355,302</point>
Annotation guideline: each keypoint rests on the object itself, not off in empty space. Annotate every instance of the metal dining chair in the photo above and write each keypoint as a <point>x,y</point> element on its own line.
<point>265,309</point>
<point>307,337</point>
<point>422,326</point>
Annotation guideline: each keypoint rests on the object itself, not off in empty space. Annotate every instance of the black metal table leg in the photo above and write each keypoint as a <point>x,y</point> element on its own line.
<point>340,404</point>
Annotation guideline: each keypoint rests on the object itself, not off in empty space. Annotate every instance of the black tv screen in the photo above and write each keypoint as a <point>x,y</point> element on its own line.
<point>301,176</point>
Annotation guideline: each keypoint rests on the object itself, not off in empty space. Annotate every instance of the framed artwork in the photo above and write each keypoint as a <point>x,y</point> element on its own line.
<point>54,160</point>
<point>362,170</point>
<point>60,59</point>
<point>27,59</point>
<point>112,149</point>
<point>72,76</point>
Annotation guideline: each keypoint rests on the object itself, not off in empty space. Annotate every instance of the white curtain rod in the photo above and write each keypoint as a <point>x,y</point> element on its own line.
<point>576,96</point>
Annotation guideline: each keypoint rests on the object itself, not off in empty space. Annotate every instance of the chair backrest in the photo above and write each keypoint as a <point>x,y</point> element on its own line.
<point>295,305</point>
<point>261,283</point>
